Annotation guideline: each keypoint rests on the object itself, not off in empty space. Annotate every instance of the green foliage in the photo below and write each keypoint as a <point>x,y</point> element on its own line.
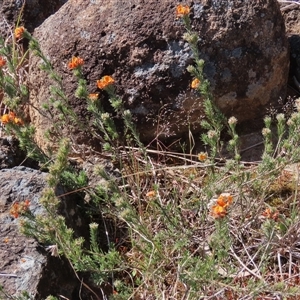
<point>73,179</point>
<point>51,298</point>
<point>214,122</point>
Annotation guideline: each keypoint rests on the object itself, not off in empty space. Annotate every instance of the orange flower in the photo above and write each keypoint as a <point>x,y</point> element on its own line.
<point>5,119</point>
<point>75,63</point>
<point>2,62</point>
<point>218,211</point>
<point>182,10</point>
<point>14,211</point>
<point>11,117</point>
<point>19,32</point>
<point>93,97</point>
<point>224,200</point>
<point>202,156</point>
<point>105,81</point>
<point>269,214</point>
<point>19,208</point>
<point>26,204</point>
<point>151,194</point>
<point>18,121</point>
<point>195,83</point>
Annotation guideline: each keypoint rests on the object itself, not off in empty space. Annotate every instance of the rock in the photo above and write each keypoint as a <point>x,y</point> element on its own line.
<point>140,44</point>
<point>291,13</point>
<point>34,13</point>
<point>11,155</point>
<point>295,60</point>
<point>25,264</point>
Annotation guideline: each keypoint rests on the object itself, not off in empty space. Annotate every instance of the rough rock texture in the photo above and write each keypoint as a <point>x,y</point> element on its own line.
<point>25,264</point>
<point>140,44</point>
<point>291,15</point>
<point>35,12</point>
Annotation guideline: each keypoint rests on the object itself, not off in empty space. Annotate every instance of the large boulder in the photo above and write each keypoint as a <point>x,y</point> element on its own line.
<point>140,44</point>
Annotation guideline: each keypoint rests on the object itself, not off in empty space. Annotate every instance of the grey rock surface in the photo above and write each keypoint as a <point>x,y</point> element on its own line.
<point>21,261</point>
<point>25,265</point>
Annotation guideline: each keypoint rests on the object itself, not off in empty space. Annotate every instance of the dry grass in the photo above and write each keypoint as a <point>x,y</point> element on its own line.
<point>178,251</point>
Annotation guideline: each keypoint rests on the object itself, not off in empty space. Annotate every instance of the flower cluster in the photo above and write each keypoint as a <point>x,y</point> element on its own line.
<point>151,194</point>
<point>195,83</point>
<point>11,118</point>
<point>232,121</point>
<point>75,63</point>
<point>93,97</point>
<point>19,32</point>
<point>104,82</point>
<point>2,62</point>
<point>182,10</point>
<point>202,156</point>
<point>271,214</point>
<point>220,206</point>
<point>19,208</point>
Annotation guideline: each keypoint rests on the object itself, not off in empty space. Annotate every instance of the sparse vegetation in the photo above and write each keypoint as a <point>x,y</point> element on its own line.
<point>196,226</point>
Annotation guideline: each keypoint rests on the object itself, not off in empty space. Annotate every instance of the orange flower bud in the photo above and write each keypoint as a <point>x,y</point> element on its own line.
<point>195,83</point>
<point>11,117</point>
<point>75,63</point>
<point>2,62</point>
<point>202,156</point>
<point>26,203</point>
<point>224,200</point>
<point>19,208</point>
<point>271,214</point>
<point>218,211</point>
<point>105,81</point>
<point>151,194</point>
<point>19,32</point>
<point>182,10</point>
<point>14,211</point>
<point>93,97</point>
<point>18,121</point>
<point>5,119</point>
